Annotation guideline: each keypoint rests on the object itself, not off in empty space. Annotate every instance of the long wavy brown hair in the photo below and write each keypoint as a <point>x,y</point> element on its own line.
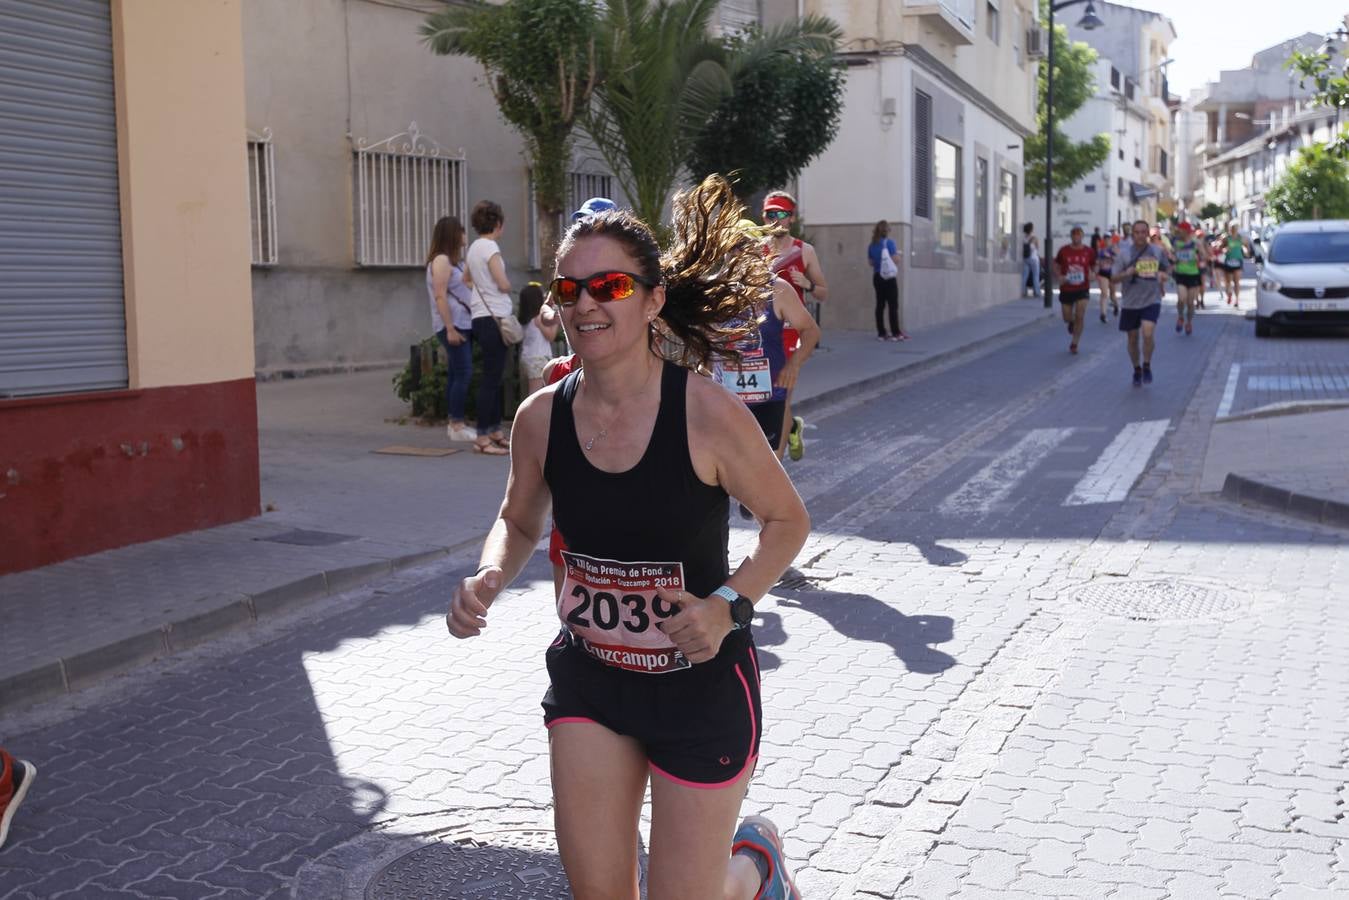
<point>716,278</point>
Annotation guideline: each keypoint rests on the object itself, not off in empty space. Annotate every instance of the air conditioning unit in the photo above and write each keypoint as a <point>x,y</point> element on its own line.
<point>1036,44</point>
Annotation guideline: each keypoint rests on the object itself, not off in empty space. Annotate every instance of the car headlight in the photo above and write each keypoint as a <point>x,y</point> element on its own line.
<point>1269,284</point>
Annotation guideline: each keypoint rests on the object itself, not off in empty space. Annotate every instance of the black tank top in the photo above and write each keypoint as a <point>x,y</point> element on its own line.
<point>657,510</point>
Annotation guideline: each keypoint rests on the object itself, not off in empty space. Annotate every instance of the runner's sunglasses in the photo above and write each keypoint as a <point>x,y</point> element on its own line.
<point>776,215</point>
<point>605,287</point>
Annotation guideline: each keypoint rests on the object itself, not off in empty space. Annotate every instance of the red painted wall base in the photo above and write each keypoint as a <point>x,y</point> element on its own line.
<point>86,472</point>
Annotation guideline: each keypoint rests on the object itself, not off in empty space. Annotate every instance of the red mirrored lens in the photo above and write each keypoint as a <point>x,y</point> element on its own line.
<point>604,287</point>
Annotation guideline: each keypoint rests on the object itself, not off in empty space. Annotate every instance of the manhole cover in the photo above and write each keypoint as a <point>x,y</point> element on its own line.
<point>499,864</point>
<point>303,538</point>
<point>1162,599</point>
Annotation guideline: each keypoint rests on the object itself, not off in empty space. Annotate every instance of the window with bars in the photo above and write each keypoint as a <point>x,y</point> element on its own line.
<point>404,184</point>
<point>922,155</point>
<point>581,186</point>
<point>262,198</point>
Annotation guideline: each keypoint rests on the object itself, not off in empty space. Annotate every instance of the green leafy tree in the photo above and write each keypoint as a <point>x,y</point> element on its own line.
<point>782,112</point>
<point>1212,210</point>
<point>1330,89</point>
<point>1074,84</point>
<point>1316,186</point>
<point>665,76</point>
<point>541,65</point>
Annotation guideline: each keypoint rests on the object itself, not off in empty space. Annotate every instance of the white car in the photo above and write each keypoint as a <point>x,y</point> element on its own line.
<point>1305,278</point>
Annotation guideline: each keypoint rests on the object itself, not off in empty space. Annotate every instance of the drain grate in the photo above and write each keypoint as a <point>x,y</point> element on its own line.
<point>303,538</point>
<point>498,865</point>
<point>1159,599</point>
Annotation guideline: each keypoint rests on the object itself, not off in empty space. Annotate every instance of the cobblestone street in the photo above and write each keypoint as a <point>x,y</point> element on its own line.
<point>1020,656</point>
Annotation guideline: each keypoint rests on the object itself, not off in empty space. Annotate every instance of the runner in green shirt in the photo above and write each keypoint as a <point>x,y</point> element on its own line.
<point>1188,254</point>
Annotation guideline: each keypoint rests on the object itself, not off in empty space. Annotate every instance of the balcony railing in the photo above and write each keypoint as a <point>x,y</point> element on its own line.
<point>956,17</point>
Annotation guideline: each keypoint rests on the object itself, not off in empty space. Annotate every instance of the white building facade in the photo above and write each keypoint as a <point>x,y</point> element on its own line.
<point>939,100</point>
<point>1116,193</point>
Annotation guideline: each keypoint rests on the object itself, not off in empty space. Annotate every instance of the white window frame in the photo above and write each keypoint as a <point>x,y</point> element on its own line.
<point>955,202</point>
<point>1006,215</point>
<point>262,197</point>
<point>404,184</point>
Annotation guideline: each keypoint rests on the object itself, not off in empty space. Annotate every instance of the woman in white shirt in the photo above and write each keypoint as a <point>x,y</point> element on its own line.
<point>491,299</point>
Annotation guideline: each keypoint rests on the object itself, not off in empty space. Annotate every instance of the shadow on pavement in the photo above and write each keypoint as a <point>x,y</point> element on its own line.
<point>864,618</point>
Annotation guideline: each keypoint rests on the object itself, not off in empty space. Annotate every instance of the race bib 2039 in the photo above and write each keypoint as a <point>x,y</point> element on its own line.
<point>612,609</point>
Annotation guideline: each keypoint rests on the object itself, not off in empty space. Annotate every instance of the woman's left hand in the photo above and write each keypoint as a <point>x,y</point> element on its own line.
<point>699,627</point>
<point>453,337</point>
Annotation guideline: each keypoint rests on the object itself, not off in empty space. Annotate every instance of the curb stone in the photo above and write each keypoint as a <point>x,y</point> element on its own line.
<point>826,398</point>
<point>1252,492</point>
<point>232,612</point>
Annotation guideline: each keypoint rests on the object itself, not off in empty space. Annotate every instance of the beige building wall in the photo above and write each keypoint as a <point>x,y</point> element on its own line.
<point>323,75</point>
<point>184,191</point>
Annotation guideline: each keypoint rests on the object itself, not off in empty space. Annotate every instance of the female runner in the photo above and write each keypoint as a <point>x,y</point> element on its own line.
<point>654,676</point>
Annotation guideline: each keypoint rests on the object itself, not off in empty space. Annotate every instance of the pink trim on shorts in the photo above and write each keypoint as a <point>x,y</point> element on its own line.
<point>750,759</point>
<point>562,720</point>
<point>754,658</point>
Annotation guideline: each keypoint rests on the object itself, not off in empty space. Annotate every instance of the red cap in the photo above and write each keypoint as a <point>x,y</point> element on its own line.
<point>1185,227</point>
<point>778,203</point>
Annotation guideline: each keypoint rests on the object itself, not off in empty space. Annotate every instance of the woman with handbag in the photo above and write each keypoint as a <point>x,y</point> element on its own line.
<point>452,320</point>
<point>493,316</point>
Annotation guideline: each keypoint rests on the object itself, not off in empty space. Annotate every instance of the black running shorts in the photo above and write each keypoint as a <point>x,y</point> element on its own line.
<point>700,727</point>
<point>1133,319</point>
<point>769,415</point>
<point>1187,280</point>
<point>1067,298</point>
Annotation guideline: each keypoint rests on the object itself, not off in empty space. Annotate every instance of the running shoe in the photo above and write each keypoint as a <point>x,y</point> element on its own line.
<point>881,337</point>
<point>796,444</point>
<point>1147,374</point>
<point>760,836</point>
<point>903,335</point>
<point>1189,326</point>
<point>1138,377</point>
<point>1180,324</point>
<point>1103,320</point>
<point>1072,348</point>
<point>16,776</point>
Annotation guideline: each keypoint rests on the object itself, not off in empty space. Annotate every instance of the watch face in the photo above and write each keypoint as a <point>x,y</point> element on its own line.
<point>742,610</point>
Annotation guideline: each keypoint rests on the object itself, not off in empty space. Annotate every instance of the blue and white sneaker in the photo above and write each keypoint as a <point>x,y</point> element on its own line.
<point>761,836</point>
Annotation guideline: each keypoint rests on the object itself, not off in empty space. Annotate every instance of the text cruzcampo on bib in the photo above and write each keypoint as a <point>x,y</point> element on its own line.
<point>611,608</point>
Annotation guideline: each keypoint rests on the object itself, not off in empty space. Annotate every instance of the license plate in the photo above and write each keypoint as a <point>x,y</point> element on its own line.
<point>1317,305</point>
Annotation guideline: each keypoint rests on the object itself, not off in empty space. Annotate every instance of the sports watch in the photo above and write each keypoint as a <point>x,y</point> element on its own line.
<point>742,608</point>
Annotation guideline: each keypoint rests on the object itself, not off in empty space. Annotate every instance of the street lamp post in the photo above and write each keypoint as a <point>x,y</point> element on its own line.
<point>1089,22</point>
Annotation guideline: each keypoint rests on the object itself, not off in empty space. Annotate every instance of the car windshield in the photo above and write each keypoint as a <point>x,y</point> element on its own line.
<point>1310,247</point>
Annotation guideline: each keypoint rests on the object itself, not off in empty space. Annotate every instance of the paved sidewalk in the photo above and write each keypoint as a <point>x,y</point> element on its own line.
<point>323,531</point>
<point>1293,464</point>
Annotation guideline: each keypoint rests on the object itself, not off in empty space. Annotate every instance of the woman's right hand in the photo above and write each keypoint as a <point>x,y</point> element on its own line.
<point>467,616</point>
<point>453,337</point>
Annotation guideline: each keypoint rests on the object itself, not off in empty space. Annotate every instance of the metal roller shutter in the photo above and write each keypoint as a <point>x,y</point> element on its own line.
<point>62,314</point>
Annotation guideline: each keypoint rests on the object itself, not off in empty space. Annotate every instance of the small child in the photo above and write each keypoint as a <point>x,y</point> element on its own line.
<point>541,324</point>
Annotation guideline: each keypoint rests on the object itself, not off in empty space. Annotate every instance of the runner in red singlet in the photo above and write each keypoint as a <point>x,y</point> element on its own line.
<point>653,677</point>
<point>795,261</point>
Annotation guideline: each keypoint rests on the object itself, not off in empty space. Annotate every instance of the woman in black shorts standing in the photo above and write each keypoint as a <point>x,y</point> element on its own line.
<point>654,676</point>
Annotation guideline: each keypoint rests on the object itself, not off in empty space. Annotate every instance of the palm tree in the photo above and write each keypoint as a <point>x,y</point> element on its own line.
<point>541,66</point>
<point>665,74</point>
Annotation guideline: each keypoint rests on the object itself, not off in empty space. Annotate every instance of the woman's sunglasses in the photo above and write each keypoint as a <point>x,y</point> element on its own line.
<point>605,287</point>
<point>776,215</point>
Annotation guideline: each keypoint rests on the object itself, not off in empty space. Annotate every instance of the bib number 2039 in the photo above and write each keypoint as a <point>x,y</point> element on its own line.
<point>609,611</point>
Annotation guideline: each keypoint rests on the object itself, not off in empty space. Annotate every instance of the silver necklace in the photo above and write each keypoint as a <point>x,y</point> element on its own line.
<point>590,444</point>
